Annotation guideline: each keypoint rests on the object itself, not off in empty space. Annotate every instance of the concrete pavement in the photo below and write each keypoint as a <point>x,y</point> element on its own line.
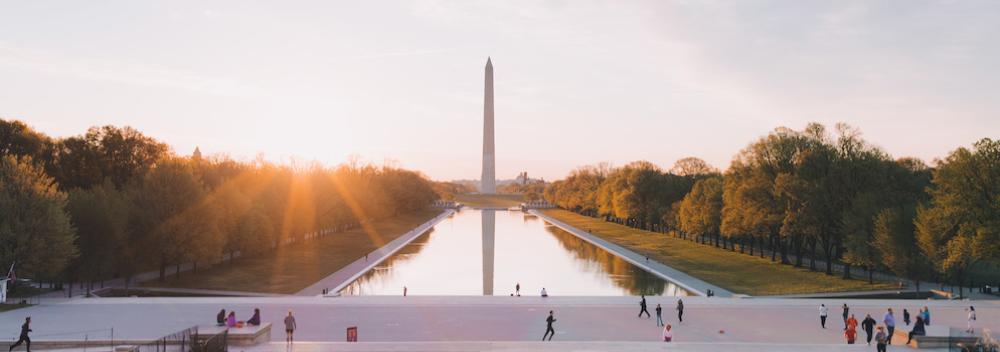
<point>481,318</point>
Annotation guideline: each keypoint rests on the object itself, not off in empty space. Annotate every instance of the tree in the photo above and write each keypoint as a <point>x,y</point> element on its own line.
<point>164,200</point>
<point>692,166</point>
<point>100,215</point>
<point>701,209</point>
<point>35,230</point>
<point>17,139</point>
<point>961,225</point>
<point>105,152</point>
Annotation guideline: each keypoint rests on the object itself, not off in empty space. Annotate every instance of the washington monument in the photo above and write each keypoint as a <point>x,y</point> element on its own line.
<point>488,181</point>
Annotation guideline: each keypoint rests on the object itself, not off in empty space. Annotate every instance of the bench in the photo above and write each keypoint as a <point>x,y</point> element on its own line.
<point>938,336</point>
<point>248,335</point>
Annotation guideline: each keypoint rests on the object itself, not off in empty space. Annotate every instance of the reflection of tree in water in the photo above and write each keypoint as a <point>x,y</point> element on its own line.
<point>384,271</point>
<point>625,275</point>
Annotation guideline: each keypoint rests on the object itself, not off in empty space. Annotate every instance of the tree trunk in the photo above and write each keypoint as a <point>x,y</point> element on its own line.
<point>828,252</point>
<point>163,268</point>
<point>784,251</point>
<point>812,255</point>
<point>774,253</point>
<point>871,276</point>
<point>798,253</point>
<point>847,270</point>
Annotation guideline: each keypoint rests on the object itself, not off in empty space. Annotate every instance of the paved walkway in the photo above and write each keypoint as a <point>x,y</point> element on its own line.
<point>485,346</point>
<point>688,282</point>
<point>478,318</point>
<point>336,281</point>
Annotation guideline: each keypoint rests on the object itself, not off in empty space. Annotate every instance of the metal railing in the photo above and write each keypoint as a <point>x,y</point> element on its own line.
<point>213,343</point>
<point>181,341</point>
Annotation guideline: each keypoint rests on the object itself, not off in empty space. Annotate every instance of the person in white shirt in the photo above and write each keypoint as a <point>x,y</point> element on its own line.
<point>823,312</point>
<point>972,320</point>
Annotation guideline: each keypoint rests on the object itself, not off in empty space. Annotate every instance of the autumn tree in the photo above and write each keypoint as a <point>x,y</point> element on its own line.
<point>961,225</point>
<point>35,230</point>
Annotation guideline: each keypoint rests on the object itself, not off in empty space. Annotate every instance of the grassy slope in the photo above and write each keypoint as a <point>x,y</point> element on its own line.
<point>295,267</point>
<point>490,200</point>
<point>736,272</point>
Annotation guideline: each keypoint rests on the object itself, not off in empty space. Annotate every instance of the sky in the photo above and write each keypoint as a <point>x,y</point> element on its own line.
<point>576,82</point>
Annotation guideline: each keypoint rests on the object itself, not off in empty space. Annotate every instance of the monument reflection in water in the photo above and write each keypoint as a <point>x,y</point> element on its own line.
<point>487,252</point>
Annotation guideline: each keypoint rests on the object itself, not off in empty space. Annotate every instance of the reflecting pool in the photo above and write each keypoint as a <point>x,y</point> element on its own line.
<point>488,252</point>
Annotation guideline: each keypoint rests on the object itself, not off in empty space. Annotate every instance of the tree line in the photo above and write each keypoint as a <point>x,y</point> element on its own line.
<point>814,195</point>
<point>113,202</point>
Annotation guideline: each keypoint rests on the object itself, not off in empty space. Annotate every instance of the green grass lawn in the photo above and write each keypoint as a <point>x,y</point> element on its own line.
<point>490,200</point>
<point>7,307</point>
<point>294,267</point>
<point>739,273</point>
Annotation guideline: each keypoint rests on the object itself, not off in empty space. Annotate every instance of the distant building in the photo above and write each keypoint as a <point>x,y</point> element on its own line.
<point>197,154</point>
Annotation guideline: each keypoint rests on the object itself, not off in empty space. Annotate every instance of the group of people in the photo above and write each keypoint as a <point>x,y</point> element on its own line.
<point>668,334</point>
<point>230,321</point>
<point>517,291</point>
<point>222,319</point>
<point>883,333</point>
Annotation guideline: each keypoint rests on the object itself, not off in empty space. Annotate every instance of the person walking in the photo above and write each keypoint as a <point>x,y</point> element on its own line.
<point>972,320</point>
<point>404,291</point>
<point>868,324</point>
<point>845,316</point>
<point>551,319</point>
<point>642,307</point>
<point>890,325</point>
<point>851,332</point>
<point>680,310</point>
<point>927,316</point>
<point>25,329</point>
<point>544,293</point>
<point>823,312</point>
<point>517,289</point>
<point>906,317</point>
<point>290,327</point>
<point>880,340</point>
<point>659,315</point>
<point>918,330</point>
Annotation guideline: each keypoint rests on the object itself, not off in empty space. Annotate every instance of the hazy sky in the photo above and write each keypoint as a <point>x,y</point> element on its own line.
<point>577,82</point>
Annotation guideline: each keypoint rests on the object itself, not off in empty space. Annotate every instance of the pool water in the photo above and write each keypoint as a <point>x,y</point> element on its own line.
<point>488,252</point>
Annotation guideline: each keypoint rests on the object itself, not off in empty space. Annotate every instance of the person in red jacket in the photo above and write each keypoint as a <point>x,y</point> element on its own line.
<point>852,330</point>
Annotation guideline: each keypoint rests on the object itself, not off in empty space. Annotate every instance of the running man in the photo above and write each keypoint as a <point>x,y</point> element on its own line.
<point>642,307</point>
<point>25,329</point>
<point>551,319</point>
